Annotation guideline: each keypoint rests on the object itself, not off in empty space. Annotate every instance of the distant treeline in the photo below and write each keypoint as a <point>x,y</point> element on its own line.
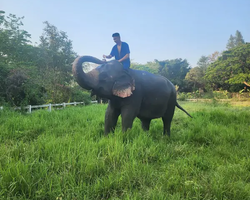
<point>37,74</point>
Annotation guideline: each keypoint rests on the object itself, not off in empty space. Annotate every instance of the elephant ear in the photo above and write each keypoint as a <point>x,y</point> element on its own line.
<point>124,86</point>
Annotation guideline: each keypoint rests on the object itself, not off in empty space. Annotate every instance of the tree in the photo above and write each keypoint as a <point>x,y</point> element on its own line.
<point>239,38</point>
<point>15,86</point>
<point>231,69</point>
<point>152,67</point>
<point>214,56</point>
<point>175,70</point>
<point>55,67</point>
<point>24,67</point>
<point>235,40</point>
<point>239,61</point>
<point>16,59</point>
<point>196,77</point>
<point>203,63</point>
<point>231,42</point>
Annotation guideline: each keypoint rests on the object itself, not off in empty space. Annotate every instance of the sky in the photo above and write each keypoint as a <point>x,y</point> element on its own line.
<point>159,29</point>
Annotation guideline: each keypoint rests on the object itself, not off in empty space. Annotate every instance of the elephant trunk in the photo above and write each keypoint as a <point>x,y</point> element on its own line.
<point>86,80</point>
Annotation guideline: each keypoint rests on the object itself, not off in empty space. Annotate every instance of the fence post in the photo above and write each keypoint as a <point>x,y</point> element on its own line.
<point>29,111</point>
<point>50,107</point>
<point>64,105</point>
<point>74,103</point>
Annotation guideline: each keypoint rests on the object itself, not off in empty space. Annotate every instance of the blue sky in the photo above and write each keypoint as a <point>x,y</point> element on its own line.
<point>159,29</point>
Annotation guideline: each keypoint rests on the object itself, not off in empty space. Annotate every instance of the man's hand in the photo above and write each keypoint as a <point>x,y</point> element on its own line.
<point>109,56</point>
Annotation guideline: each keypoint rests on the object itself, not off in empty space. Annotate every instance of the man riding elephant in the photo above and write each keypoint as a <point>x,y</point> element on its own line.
<point>120,51</point>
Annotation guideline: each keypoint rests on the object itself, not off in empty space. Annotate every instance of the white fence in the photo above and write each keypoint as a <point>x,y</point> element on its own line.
<point>49,106</point>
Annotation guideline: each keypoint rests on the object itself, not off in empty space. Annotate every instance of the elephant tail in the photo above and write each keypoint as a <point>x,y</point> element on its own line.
<point>178,106</point>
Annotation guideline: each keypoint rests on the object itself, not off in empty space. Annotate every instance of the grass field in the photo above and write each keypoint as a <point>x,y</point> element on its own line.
<point>65,155</point>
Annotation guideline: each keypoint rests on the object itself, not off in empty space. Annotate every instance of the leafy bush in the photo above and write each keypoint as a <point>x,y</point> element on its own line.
<point>181,96</point>
<point>208,95</point>
<point>80,95</point>
<point>222,94</point>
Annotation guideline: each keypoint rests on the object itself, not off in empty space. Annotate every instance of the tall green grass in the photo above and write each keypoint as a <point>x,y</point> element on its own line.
<point>65,155</point>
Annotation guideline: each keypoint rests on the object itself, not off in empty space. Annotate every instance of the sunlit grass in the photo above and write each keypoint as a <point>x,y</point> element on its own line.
<point>64,154</point>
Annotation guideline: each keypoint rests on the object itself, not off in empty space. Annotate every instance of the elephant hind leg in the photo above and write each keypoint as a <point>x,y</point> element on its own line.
<point>167,119</point>
<point>145,124</point>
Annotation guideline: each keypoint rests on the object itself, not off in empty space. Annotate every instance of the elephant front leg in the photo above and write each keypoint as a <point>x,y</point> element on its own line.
<point>128,116</point>
<point>111,117</point>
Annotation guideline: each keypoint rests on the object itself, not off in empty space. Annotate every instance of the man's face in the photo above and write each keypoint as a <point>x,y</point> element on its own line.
<point>116,39</point>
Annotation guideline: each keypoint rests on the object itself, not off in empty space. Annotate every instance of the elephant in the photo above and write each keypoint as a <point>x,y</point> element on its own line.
<point>131,93</point>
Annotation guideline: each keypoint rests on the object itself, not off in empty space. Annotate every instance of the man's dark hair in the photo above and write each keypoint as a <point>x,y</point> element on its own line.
<point>116,35</point>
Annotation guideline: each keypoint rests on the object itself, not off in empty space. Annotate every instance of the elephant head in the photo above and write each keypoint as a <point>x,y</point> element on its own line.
<point>107,80</point>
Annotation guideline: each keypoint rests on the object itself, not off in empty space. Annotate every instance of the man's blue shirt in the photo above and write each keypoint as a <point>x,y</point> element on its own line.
<point>124,50</point>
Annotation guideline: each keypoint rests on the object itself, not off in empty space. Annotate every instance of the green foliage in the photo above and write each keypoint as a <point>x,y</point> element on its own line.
<point>213,57</point>
<point>3,74</point>
<point>220,94</point>
<point>232,68</point>
<point>58,54</point>
<point>203,63</point>
<point>57,58</point>
<point>24,67</point>
<point>244,90</point>
<point>175,70</point>
<point>231,42</point>
<point>182,96</point>
<point>196,77</point>
<point>80,95</point>
<point>13,58</point>
<point>239,38</point>
<point>235,41</point>
<point>13,39</point>
<point>151,67</point>
<point>239,59</point>
<point>64,154</point>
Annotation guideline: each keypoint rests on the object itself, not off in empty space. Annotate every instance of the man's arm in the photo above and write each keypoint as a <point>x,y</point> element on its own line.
<point>110,55</point>
<point>124,58</point>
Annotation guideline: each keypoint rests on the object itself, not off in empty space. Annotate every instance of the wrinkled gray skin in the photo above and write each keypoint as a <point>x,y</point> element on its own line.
<point>131,94</point>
